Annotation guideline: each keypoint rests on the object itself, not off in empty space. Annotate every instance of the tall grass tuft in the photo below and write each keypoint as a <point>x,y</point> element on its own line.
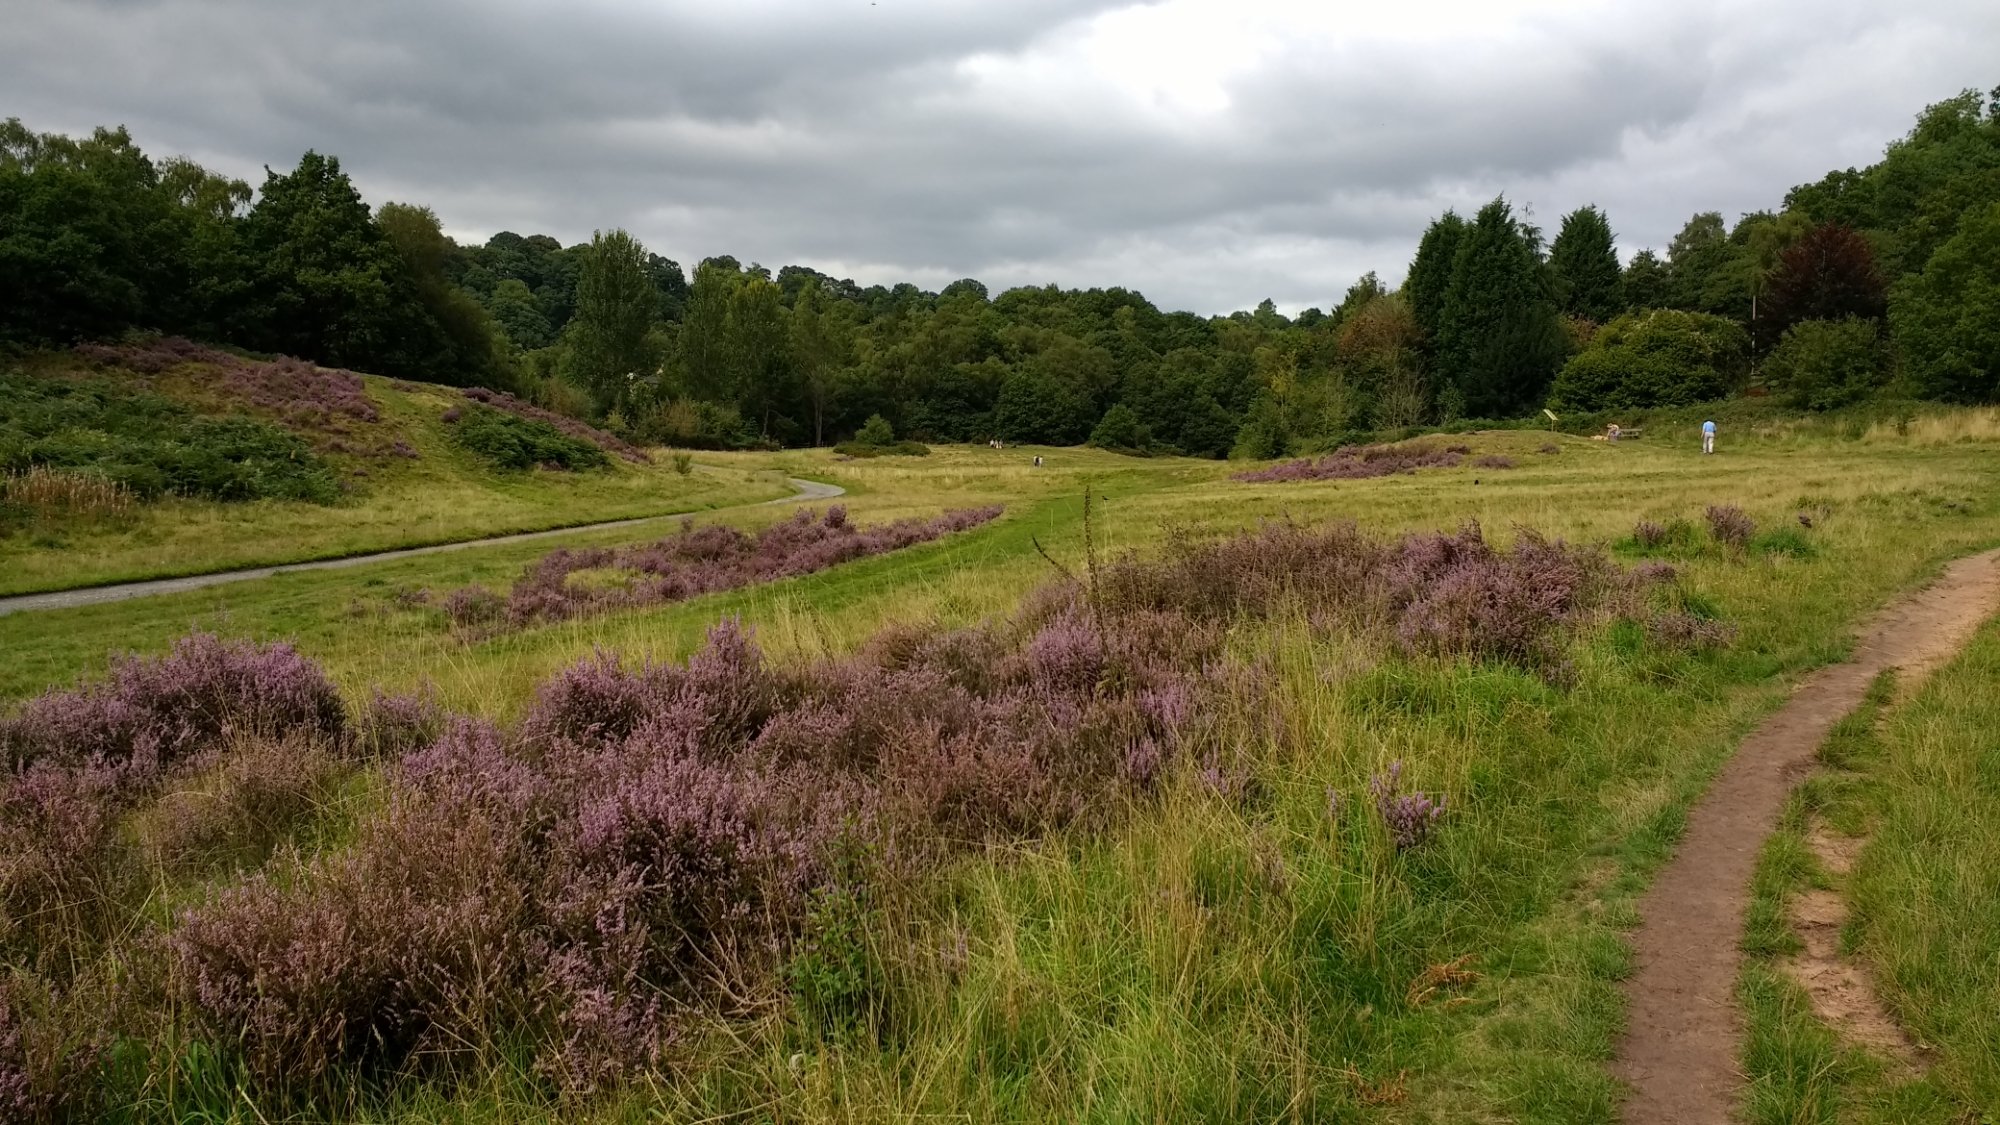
<point>44,493</point>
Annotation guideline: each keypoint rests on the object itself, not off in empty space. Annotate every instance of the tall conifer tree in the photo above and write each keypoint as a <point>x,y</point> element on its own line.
<point>1430,272</point>
<point>1584,260</point>
<point>1498,340</point>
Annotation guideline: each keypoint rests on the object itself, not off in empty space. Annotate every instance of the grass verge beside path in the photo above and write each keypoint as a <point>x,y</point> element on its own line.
<point>1919,782</point>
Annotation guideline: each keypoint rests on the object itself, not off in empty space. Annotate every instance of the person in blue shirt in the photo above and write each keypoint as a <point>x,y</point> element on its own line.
<point>1708,436</point>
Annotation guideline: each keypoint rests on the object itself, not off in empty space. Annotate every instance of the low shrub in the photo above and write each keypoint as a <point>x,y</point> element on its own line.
<point>894,449</point>
<point>1359,462</point>
<point>514,442</point>
<point>655,843</point>
<point>151,445</point>
<point>1730,526</point>
<point>699,560</point>
<point>561,423</point>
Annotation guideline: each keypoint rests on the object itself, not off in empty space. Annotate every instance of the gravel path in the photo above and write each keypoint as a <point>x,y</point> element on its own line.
<point>804,490</point>
<point>1683,1033</point>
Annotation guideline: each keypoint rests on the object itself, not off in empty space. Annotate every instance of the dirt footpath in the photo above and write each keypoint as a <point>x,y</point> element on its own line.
<point>1683,1034</point>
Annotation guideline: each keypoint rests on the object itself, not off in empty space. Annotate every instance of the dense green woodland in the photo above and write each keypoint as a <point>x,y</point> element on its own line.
<point>1870,282</point>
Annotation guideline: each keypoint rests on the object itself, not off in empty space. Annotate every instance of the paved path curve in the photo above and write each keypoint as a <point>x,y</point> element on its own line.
<point>804,490</point>
<point>1683,1033</point>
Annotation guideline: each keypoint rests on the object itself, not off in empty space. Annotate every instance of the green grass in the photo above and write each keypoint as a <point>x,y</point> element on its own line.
<point>1218,959</point>
<point>1919,781</point>
<point>449,493</point>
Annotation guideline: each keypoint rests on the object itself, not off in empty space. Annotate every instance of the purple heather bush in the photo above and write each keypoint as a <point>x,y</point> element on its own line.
<point>643,850</point>
<point>1493,461</point>
<point>1649,535</point>
<point>149,712</point>
<point>1358,462</point>
<point>1730,526</point>
<point>303,395</point>
<point>1409,817</point>
<point>698,560</point>
<point>1432,592</point>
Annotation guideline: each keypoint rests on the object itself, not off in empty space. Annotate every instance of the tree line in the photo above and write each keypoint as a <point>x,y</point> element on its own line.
<point>1883,280</point>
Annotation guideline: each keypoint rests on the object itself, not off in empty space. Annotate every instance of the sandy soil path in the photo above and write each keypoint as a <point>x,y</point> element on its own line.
<point>1680,1048</point>
<point>803,490</point>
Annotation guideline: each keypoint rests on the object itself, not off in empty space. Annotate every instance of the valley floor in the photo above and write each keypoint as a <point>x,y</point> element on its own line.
<point>1255,950</point>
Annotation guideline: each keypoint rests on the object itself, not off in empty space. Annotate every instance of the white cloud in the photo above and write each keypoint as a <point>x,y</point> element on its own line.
<point>1207,152</point>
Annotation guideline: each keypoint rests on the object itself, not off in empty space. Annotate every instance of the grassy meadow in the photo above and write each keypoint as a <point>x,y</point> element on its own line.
<point>1257,950</point>
<point>435,492</point>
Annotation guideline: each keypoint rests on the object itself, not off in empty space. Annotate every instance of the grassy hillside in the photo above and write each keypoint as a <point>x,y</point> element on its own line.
<point>1244,936</point>
<point>398,478</point>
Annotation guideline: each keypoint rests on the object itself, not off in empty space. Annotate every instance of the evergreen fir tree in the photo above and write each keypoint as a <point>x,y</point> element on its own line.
<point>1584,261</point>
<point>1430,272</point>
<point>1498,339</point>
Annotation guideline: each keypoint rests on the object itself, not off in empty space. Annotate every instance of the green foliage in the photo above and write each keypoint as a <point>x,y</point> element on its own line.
<point>1661,357</point>
<point>875,431</point>
<point>1038,406</point>
<point>1264,434</point>
<point>465,346</point>
<point>615,302</point>
<point>1948,317</point>
<point>1823,364</point>
<point>1430,273</point>
<point>837,980</point>
<point>513,442</point>
<point>1703,272</point>
<point>1121,430</point>
<point>1584,262</point>
<point>1648,284</point>
<point>152,445</point>
<point>1497,338</point>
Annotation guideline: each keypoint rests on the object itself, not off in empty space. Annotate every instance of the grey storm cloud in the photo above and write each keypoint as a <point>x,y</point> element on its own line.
<point>1207,152</point>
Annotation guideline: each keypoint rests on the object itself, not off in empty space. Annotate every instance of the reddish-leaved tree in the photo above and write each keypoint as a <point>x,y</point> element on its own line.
<point>1828,274</point>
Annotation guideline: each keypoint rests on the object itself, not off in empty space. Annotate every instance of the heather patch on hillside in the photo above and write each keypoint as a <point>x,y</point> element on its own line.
<point>563,423</point>
<point>512,442</point>
<point>152,445</point>
<point>1359,462</point>
<point>325,404</point>
<point>698,560</point>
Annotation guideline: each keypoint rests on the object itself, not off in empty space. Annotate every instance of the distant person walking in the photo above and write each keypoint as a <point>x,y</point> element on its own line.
<point>1708,436</point>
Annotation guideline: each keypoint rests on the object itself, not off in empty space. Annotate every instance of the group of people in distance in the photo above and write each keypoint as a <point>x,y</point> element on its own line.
<point>1612,433</point>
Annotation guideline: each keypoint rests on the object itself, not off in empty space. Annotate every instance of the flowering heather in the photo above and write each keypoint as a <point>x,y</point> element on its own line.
<point>1409,817</point>
<point>644,851</point>
<point>149,712</point>
<point>1446,594</point>
<point>1358,462</point>
<point>610,443</point>
<point>698,560</point>
<point>1493,461</point>
<point>302,395</point>
<point>1648,534</point>
<point>1730,526</point>
<point>650,831</point>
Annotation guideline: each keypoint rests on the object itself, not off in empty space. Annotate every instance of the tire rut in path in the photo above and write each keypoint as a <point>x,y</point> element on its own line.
<point>1680,1047</point>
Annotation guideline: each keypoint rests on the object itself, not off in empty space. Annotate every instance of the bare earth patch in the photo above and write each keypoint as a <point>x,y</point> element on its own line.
<point>1843,996</point>
<point>1679,1050</point>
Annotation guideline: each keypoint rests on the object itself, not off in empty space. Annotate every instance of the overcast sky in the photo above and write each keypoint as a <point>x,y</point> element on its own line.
<point>1207,152</point>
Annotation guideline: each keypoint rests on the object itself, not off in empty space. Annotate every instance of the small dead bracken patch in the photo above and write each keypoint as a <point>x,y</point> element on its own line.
<point>1389,1091</point>
<point>1448,975</point>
